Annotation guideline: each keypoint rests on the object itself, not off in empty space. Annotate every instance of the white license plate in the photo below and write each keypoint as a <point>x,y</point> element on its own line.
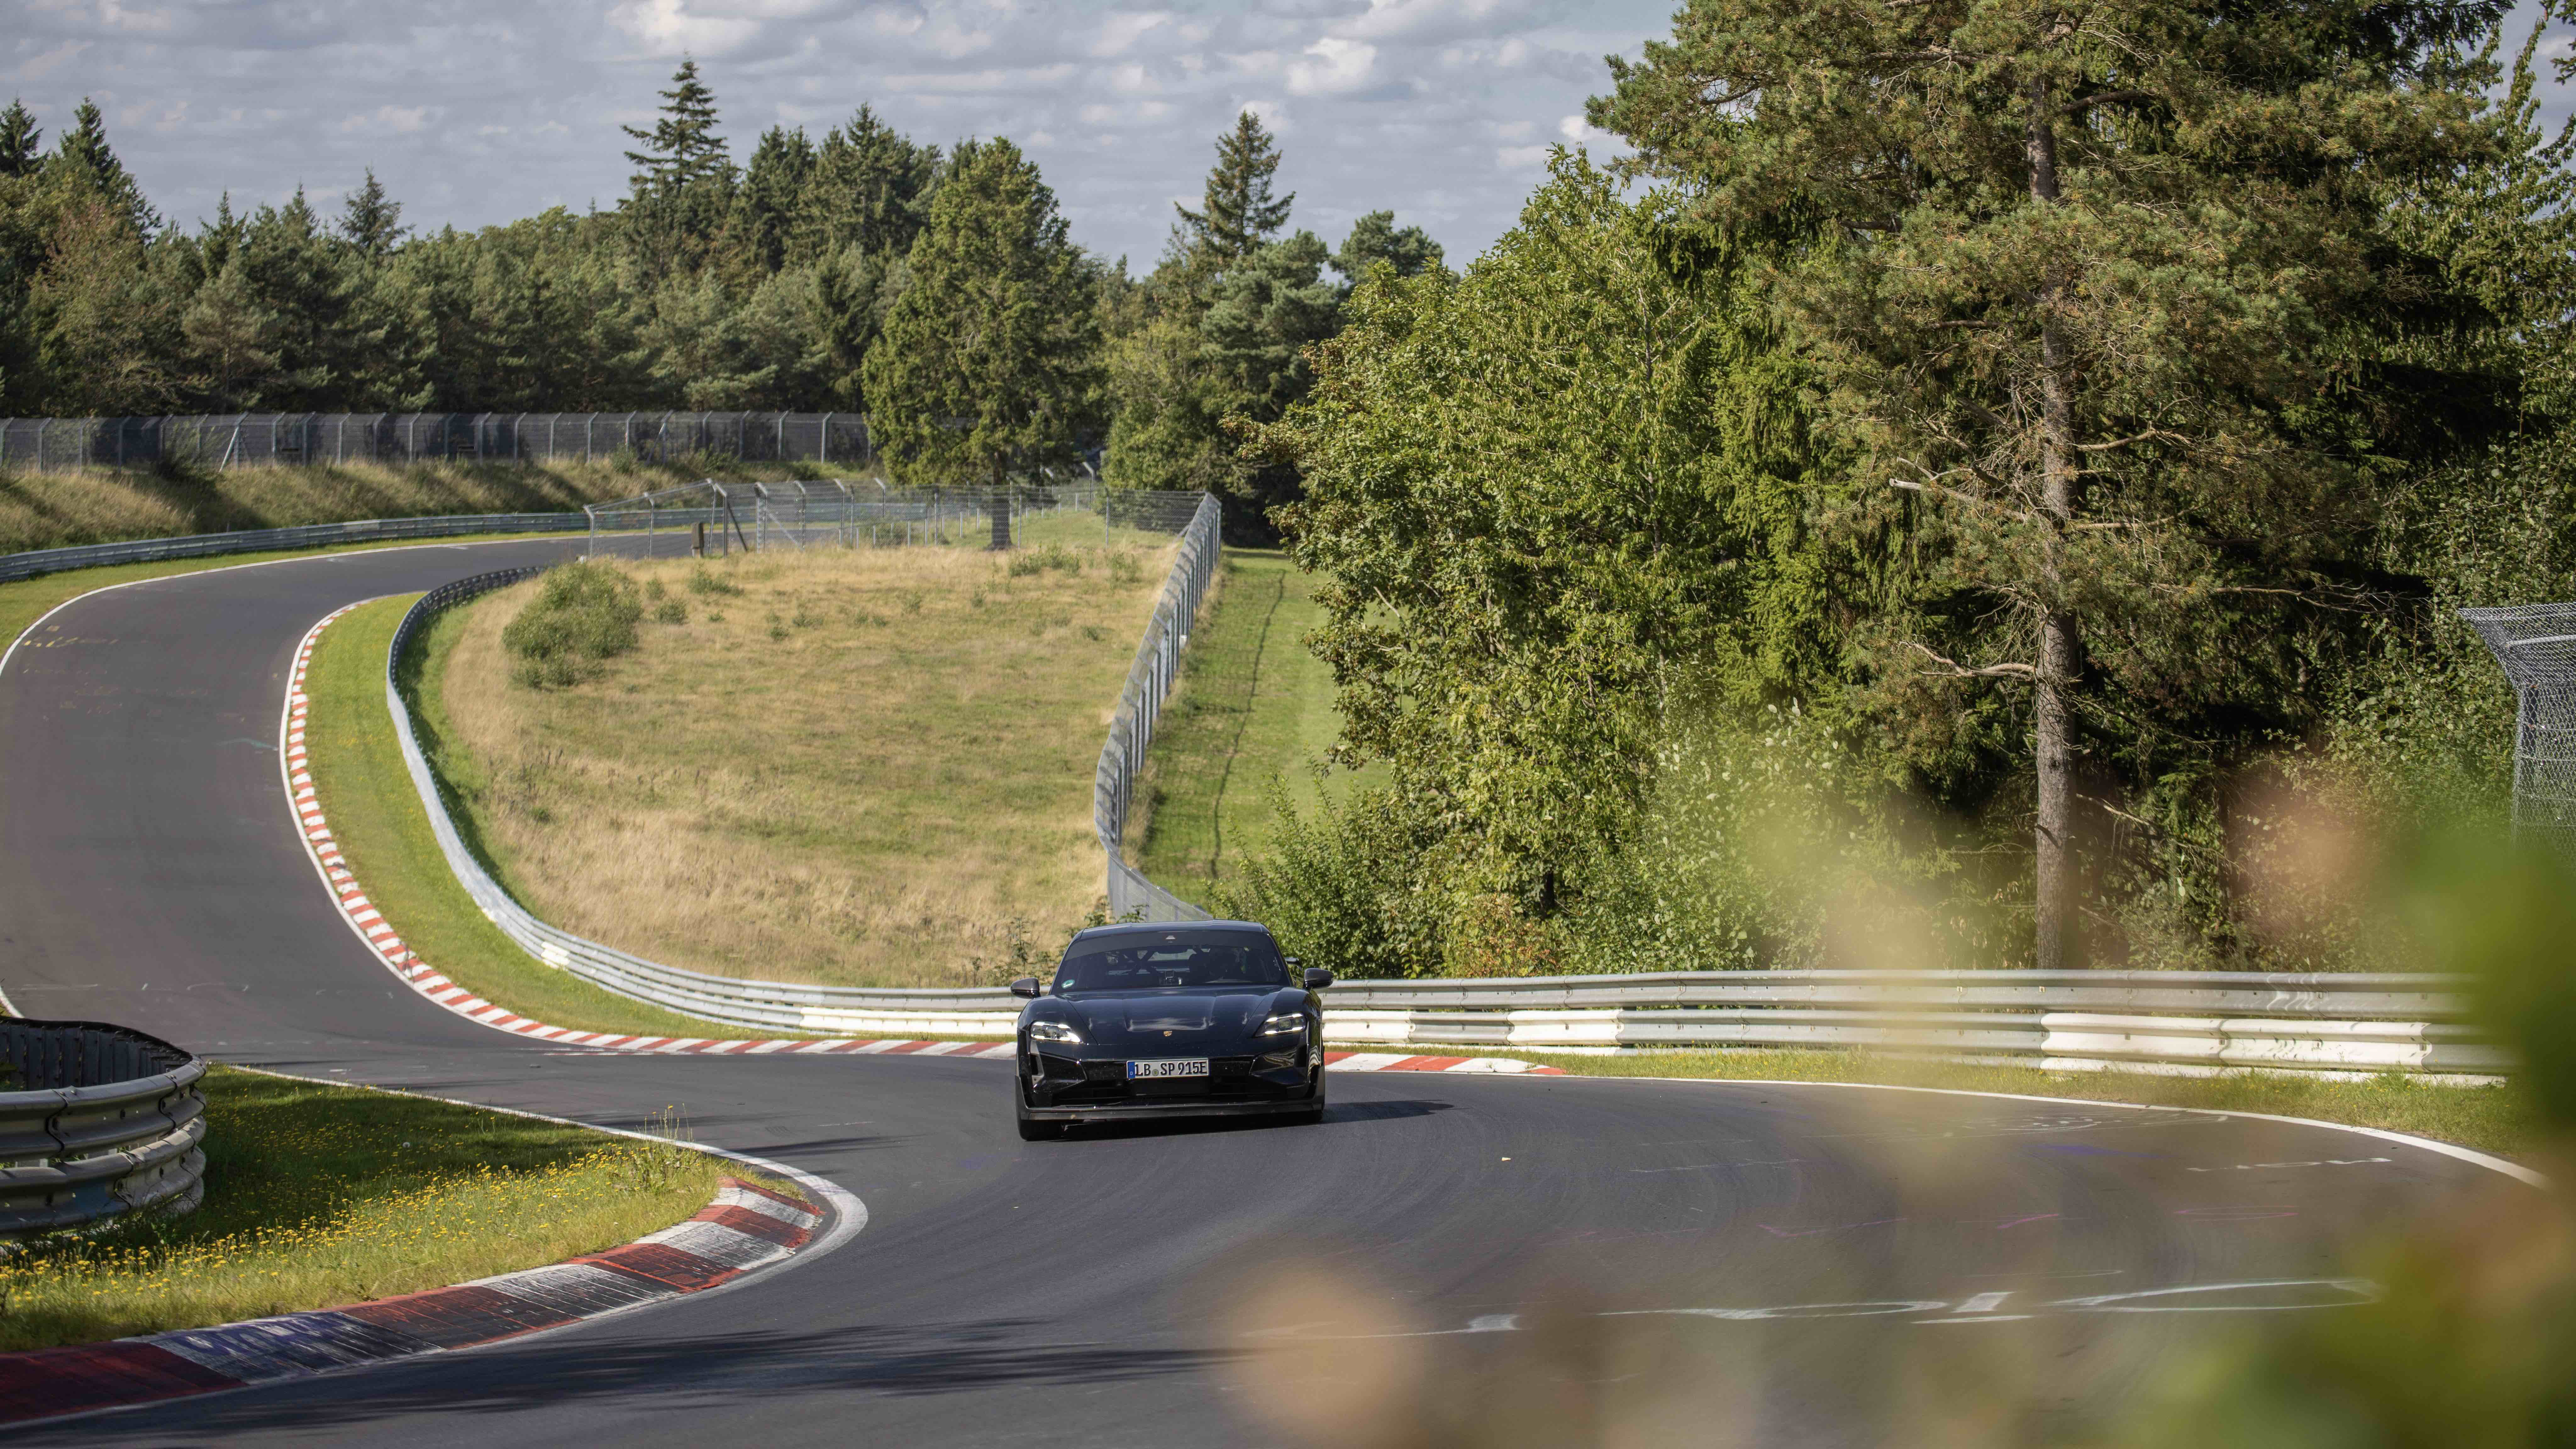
<point>1167,1067</point>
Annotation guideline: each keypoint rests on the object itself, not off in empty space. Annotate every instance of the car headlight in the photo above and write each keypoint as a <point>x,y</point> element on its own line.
<point>1053,1031</point>
<point>1284,1021</point>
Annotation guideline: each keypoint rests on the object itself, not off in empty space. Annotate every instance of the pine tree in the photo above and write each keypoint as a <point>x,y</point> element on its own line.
<point>20,140</point>
<point>682,186</point>
<point>773,185</point>
<point>1238,214</point>
<point>1376,238</point>
<point>988,361</point>
<point>371,220</point>
<point>2109,296</point>
<point>83,158</point>
<point>870,188</point>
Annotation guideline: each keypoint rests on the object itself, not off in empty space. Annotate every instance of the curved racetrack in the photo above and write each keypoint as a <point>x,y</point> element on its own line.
<point>1104,1290</point>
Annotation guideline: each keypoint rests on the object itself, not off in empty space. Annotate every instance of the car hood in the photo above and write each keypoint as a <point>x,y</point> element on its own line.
<point>1166,1019</point>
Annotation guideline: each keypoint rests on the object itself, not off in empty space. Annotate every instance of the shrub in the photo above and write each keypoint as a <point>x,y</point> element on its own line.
<point>671,611</point>
<point>703,582</point>
<point>583,614</point>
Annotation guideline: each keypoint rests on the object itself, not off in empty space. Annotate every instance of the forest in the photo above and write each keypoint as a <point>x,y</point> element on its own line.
<point>830,274</point>
<point>1974,486</point>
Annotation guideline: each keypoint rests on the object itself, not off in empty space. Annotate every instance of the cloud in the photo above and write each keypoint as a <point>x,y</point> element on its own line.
<point>479,111</point>
<point>1340,67</point>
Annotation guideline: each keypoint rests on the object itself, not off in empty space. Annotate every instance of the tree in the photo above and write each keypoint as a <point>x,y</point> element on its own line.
<point>773,186</point>
<point>1239,214</point>
<point>682,186</point>
<point>2109,295</point>
<point>869,188</point>
<point>1551,502</point>
<point>82,159</point>
<point>20,140</point>
<point>989,359</point>
<point>1375,238</point>
<point>371,220</point>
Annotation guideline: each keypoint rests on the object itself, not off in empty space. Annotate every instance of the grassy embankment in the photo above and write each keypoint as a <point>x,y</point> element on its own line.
<point>1253,712</point>
<point>858,767</point>
<point>58,510</point>
<point>384,833</point>
<point>322,1195</point>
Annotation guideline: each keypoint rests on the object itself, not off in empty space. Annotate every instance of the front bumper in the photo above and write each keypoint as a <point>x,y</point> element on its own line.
<point>1056,1087</point>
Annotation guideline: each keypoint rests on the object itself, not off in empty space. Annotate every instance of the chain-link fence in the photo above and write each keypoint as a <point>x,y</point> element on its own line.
<point>1140,705</point>
<point>2536,644</point>
<point>711,517</point>
<point>269,439</point>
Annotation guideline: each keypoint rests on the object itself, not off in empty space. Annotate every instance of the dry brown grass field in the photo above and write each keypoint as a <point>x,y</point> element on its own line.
<point>866,767</point>
<point>59,510</point>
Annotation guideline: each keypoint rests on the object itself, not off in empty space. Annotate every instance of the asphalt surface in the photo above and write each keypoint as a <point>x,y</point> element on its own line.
<point>1488,1261</point>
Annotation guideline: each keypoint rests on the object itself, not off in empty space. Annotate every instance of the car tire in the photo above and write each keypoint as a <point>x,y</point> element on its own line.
<point>1031,1129</point>
<point>1314,1114</point>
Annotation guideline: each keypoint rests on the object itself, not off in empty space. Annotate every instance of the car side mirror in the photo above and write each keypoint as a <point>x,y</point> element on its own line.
<point>1317,978</point>
<point>1025,986</point>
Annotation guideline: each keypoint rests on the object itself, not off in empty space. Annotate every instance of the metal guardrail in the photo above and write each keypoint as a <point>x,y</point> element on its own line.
<point>96,1121</point>
<point>829,1010</point>
<point>2150,1020</point>
<point>258,540</point>
<point>1140,705</point>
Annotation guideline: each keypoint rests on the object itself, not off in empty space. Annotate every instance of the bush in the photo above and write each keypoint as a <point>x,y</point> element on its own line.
<point>583,615</point>
<point>1350,889</point>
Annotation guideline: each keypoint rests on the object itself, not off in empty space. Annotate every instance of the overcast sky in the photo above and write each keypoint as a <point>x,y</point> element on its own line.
<point>479,111</point>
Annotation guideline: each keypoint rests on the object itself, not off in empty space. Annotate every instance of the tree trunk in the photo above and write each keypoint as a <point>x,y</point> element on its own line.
<point>1001,501</point>
<point>2060,645</point>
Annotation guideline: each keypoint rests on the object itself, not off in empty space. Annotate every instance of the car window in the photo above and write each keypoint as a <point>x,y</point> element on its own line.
<point>1173,965</point>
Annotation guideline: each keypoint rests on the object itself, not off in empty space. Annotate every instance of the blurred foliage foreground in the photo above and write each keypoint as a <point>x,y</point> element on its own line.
<point>2455,1327</point>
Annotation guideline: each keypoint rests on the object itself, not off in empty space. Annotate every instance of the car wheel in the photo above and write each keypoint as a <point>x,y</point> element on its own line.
<point>1031,1129</point>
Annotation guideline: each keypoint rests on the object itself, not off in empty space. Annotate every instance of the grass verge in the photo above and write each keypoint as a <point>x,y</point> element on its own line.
<point>866,767</point>
<point>2502,1120</point>
<point>321,1195</point>
<point>1253,713</point>
<point>376,815</point>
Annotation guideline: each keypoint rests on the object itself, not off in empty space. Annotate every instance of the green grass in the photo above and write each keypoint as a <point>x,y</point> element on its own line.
<point>384,834</point>
<point>2502,1120</point>
<point>1253,712</point>
<point>323,1195</point>
<point>866,767</point>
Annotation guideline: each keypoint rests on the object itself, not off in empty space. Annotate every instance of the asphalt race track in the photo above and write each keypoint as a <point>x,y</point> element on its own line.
<point>1511,1257</point>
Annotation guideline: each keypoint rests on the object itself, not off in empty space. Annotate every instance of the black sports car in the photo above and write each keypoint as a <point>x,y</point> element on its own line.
<point>1203,1018</point>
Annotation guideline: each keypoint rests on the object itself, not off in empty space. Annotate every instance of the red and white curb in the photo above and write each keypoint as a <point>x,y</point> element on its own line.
<point>372,927</point>
<point>745,1228</point>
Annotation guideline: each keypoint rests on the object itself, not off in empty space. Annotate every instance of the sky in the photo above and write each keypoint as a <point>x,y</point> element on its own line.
<point>475,112</point>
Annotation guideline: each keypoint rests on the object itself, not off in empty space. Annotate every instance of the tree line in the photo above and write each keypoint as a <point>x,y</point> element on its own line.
<point>1978,485</point>
<point>936,290</point>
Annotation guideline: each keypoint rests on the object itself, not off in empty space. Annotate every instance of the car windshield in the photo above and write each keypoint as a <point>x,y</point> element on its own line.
<point>1174,962</point>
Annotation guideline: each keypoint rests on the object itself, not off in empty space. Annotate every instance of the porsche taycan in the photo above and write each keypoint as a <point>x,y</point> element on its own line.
<point>1202,1019</point>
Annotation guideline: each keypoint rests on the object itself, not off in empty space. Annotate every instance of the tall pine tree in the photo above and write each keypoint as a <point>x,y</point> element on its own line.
<point>371,220</point>
<point>1238,214</point>
<point>683,182</point>
<point>988,362</point>
<point>2109,296</point>
<point>20,140</point>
